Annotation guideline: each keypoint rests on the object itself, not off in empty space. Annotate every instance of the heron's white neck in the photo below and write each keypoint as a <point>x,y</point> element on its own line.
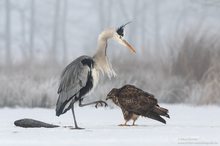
<point>102,62</point>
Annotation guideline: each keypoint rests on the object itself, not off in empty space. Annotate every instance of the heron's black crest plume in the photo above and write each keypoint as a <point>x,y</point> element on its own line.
<point>120,30</point>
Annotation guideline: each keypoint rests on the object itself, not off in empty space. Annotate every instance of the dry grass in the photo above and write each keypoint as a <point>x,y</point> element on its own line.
<point>197,63</point>
<point>28,86</point>
<point>191,76</point>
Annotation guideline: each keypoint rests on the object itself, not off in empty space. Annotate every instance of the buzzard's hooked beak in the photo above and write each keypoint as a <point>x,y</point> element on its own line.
<point>107,98</point>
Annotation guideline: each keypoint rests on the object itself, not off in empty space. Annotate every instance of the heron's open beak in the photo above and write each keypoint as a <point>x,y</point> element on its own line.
<point>123,42</point>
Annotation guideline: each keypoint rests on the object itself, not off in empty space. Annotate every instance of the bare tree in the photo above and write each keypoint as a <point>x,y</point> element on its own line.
<point>109,12</point>
<point>101,13</point>
<point>105,13</point>
<point>134,28</point>
<point>23,43</point>
<point>143,26</point>
<point>157,23</point>
<point>64,20</point>
<point>122,8</point>
<point>32,28</point>
<point>8,32</point>
<point>53,51</point>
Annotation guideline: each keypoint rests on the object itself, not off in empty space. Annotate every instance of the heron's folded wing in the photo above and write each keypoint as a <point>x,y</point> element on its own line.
<point>73,78</point>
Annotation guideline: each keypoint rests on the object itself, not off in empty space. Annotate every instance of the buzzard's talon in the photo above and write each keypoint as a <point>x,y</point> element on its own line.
<point>101,103</point>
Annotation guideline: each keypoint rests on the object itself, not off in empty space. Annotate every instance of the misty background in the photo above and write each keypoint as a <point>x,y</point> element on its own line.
<point>177,42</point>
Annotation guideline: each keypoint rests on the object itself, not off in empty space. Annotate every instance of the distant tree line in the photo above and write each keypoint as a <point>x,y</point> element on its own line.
<point>51,29</point>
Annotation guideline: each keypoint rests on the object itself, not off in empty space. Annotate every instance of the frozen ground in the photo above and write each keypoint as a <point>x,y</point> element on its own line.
<point>188,126</point>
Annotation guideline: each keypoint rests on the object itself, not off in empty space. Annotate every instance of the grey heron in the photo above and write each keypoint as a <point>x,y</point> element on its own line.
<point>82,75</point>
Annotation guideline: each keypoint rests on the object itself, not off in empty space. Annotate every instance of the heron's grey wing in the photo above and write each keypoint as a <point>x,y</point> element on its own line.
<point>73,78</point>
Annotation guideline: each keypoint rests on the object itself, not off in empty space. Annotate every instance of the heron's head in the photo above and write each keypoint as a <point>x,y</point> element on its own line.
<point>119,37</point>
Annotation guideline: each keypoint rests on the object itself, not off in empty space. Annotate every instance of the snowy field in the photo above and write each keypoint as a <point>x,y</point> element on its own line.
<point>188,126</point>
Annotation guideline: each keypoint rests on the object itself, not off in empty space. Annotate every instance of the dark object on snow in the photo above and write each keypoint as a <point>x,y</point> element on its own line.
<point>135,102</point>
<point>31,123</point>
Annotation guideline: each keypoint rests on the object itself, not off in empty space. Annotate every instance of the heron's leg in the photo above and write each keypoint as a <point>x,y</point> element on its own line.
<point>74,118</point>
<point>95,102</point>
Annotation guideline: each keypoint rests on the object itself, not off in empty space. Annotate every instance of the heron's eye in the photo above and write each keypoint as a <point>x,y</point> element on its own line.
<point>120,31</point>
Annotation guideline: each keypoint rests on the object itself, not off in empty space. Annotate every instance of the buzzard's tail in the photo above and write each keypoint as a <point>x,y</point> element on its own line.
<point>161,111</point>
<point>155,116</point>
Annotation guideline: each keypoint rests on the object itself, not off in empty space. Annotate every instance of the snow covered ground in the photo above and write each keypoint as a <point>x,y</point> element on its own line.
<point>188,126</point>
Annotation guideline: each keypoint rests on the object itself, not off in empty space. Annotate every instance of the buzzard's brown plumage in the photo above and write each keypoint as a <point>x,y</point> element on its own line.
<point>135,102</point>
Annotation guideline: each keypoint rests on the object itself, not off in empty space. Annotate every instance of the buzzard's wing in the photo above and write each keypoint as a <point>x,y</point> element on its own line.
<point>136,100</point>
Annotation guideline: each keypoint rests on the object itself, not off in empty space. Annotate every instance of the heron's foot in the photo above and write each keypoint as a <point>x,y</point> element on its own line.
<point>134,125</point>
<point>102,103</point>
<point>76,128</point>
<point>73,128</point>
<point>123,125</point>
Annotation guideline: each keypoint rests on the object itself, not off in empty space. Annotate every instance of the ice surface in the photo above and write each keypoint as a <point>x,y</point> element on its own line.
<point>188,126</point>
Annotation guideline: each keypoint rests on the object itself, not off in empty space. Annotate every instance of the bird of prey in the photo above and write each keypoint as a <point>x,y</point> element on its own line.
<point>135,102</point>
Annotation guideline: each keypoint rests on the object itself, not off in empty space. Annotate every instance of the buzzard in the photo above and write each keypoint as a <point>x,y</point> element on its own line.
<point>135,102</point>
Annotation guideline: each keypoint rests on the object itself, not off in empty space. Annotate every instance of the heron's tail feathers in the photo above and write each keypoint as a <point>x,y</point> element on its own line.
<point>63,105</point>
